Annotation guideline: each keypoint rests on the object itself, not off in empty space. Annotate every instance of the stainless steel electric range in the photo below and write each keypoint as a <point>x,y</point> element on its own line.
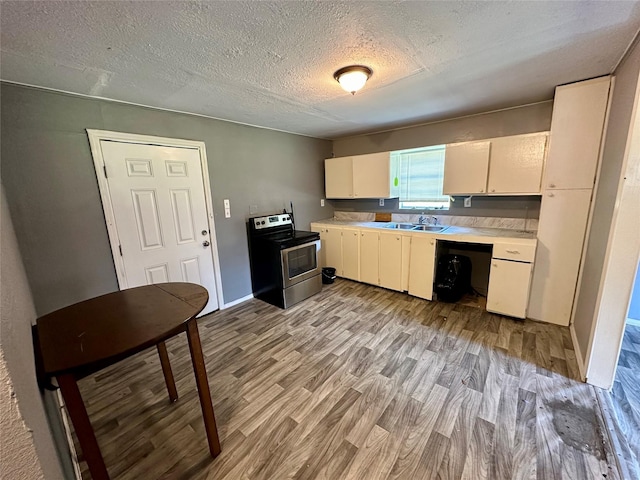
<point>284,262</point>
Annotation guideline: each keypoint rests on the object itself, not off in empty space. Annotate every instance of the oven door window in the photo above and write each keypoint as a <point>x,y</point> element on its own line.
<point>301,260</point>
<point>300,263</point>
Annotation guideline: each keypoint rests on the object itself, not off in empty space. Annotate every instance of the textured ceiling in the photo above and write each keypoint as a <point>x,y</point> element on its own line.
<point>271,63</point>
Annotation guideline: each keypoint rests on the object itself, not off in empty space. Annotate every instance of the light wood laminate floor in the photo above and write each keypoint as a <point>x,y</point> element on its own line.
<point>357,382</point>
<point>625,397</point>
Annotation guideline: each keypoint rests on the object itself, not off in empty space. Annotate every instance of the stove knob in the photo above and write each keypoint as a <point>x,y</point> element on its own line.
<point>263,222</point>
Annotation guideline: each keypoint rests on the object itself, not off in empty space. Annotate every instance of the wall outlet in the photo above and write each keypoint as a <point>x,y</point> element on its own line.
<point>381,202</point>
<point>253,209</point>
<point>467,202</point>
<point>227,208</point>
<point>322,202</point>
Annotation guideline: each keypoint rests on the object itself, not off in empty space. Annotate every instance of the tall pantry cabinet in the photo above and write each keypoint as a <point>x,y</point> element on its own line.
<point>577,125</point>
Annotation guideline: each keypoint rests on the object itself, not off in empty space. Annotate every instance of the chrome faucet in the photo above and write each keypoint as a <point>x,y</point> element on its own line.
<point>434,220</point>
<point>422,219</point>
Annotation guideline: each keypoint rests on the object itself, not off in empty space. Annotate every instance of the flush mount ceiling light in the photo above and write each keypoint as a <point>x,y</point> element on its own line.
<point>353,77</point>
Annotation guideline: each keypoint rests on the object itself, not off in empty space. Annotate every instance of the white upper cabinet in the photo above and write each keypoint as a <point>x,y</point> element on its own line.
<point>516,164</point>
<point>579,112</point>
<point>361,176</point>
<point>338,177</point>
<point>499,166</point>
<point>466,168</point>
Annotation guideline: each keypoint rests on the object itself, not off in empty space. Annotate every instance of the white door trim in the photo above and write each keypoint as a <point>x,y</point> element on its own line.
<point>95,136</point>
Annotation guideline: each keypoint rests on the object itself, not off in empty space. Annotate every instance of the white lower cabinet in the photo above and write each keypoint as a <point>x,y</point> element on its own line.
<point>421,266</point>
<point>351,254</point>
<point>406,256</point>
<point>333,249</point>
<point>564,215</point>
<point>509,284</point>
<point>406,262</point>
<point>369,257</point>
<point>390,266</point>
<point>323,241</point>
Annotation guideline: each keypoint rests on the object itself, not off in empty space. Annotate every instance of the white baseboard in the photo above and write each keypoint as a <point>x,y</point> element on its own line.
<point>576,349</point>
<point>236,302</point>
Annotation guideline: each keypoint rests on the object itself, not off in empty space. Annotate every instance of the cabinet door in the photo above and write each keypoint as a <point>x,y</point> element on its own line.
<point>509,284</point>
<point>333,249</point>
<point>577,123</point>
<point>466,167</point>
<point>391,261</point>
<point>406,256</point>
<point>422,266</point>
<point>561,232</point>
<point>338,177</point>
<point>351,254</point>
<point>372,176</point>
<point>516,164</point>
<point>369,257</point>
<point>323,240</point>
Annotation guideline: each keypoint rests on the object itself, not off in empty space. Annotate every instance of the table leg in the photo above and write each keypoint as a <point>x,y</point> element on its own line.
<point>82,426</point>
<point>203,387</point>
<point>166,370</point>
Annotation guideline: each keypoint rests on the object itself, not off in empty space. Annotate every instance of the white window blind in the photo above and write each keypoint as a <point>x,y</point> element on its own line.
<point>421,172</point>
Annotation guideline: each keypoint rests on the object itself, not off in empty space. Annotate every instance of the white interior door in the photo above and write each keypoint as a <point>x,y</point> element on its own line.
<point>158,201</point>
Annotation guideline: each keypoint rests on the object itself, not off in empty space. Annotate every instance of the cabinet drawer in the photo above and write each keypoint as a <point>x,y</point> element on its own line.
<point>521,253</point>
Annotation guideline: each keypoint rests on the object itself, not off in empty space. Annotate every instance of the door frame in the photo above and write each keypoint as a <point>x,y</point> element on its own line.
<point>95,136</point>
<point>618,274</point>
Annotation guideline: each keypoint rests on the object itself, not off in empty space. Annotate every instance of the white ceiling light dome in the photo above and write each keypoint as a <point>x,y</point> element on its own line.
<point>353,77</point>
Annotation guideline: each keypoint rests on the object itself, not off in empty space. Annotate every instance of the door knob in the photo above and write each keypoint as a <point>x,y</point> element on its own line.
<point>204,232</point>
<point>206,243</point>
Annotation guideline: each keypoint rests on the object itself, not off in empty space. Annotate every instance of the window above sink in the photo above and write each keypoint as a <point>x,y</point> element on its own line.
<point>420,177</point>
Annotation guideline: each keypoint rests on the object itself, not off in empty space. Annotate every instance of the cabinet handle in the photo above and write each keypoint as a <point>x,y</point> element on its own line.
<point>493,190</point>
<point>552,185</point>
<point>355,234</point>
<point>481,190</point>
<point>431,242</point>
<point>551,195</point>
<point>513,251</point>
<point>494,265</point>
<point>397,238</point>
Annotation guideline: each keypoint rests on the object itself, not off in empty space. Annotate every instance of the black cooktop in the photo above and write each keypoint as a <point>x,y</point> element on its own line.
<point>291,238</point>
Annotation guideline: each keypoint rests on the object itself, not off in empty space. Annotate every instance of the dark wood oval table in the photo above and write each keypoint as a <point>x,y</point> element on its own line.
<point>80,339</point>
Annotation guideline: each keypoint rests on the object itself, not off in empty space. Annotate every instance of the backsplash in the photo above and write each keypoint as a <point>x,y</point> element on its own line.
<point>517,207</point>
<point>529,225</point>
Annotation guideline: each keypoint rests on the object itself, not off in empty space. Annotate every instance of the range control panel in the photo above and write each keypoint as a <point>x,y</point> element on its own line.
<point>271,221</point>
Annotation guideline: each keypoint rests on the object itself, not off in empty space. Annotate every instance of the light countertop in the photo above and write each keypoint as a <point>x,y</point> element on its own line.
<point>451,233</point>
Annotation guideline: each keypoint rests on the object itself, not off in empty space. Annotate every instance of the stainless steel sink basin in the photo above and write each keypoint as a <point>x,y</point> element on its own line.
<point>401,226</point>
<point>428,228</point>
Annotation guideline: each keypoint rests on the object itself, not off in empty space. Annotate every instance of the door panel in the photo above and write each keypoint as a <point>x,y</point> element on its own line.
<point>369,257</point>
<point>182,216</point>
<point>351,254</point>
<point>158,200</point>
<point>145,207</point>
<point>391,261</point>
<point>509,288</point>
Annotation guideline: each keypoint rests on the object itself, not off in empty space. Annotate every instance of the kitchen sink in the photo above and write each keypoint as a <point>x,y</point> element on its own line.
<point>401,226</point>
<point>428,228</point>
<point>413,226</point>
